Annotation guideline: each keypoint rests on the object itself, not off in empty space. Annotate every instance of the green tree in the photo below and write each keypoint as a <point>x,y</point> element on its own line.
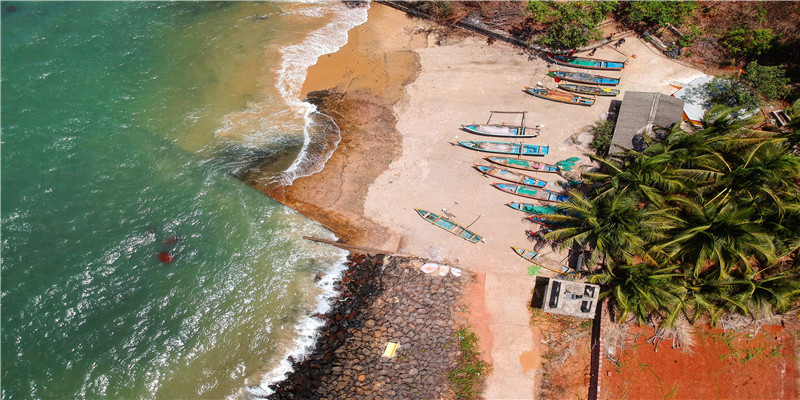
<point>730,92</point>
<point>660,13</point>
<point>602,132</point>
<point>769,81</point>
<point>569,24</point>
<point>747,43</point>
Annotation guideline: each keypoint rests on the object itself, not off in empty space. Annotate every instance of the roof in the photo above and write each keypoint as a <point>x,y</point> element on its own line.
<point>695,97</point>
<point>640,110</point>
<point>571,298</point>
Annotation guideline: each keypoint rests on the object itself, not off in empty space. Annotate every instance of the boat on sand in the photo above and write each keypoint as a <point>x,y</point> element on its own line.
<point>511,176</point>
<point>585,62</point>
<point>449,226</point>
<point>557,95</point>
<point>506,147</point>
<point>586,89</point>
<point>583,77</point>
<point>524,164</point>
<point>532,192</point>
<point>530,255</point>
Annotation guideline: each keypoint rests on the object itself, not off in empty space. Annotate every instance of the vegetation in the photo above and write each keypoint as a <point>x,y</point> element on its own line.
<point>698,225</point>
<point>768,81</point>
<point>731,92</point>
<point>569,24</point>
<point>603,132</point>
<point>659,13</point>
<point>468,376</point>
<point>744,42</point>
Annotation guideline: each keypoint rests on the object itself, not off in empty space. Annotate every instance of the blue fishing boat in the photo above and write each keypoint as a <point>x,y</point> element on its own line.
<point>557,95</point>
<point>511,176</point>
<point>583,77</point>
<point>449,226</point>
<point>506,148</point>
<point>543,221</point>
<point>499,130</point>
<point>587,89</point>
<point>586,62</point>
<point>533,209</point>
<point>524,164</point>
<point>532,192</point>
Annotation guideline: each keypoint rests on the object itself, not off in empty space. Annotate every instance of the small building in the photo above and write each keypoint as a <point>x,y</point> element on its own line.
<point>641,112</point>
<point>570,298</point>
<point>696,100</point>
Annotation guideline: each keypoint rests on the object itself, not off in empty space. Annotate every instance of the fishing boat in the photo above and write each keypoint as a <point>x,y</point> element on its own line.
<point>583,77</point>
<point>556,95</point>
<point>531,192</point>
<point>533,209</point>
<point>530,255</point>
<point>524,164</point>
<point>586,62</point>
<point>506,147</point>
<point>586,89</point>
<point>511,176</point>
<point>499,130</point>
<point>503,129</point>
<point>449,226</point>
<point>543,221</point>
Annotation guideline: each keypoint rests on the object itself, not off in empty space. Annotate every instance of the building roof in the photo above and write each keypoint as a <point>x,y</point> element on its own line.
<point>640,110</point>
<point>696,98</point>
<point>571,298</point>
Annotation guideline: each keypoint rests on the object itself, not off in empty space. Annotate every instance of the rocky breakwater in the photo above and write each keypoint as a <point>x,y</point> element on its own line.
<point>380,303</point>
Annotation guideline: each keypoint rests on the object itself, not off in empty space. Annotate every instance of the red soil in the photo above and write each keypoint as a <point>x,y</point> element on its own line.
<point>721,366</point>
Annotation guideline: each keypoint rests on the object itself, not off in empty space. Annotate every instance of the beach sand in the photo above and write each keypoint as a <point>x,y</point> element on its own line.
<point>399,94</point>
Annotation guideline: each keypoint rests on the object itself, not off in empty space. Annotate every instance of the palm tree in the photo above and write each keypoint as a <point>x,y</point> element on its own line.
<point>719,236</point>
<point>615,226</point>
<point>645,292</point>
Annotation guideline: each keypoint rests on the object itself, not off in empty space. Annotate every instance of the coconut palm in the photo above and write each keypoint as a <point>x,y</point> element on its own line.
<point>645,292</point>
<point>616,226</point>
<point>722,237</point>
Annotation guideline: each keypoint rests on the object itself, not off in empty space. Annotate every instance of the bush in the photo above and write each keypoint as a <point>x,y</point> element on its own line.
<point>730,92</point>
<point>743,42</point>
<point>603,132</point>
<point>769,81</point>
<point>660,13</point>
<point>569,24</point>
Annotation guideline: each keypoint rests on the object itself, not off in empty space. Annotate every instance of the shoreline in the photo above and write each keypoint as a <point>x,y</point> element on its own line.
<point>399,90</point>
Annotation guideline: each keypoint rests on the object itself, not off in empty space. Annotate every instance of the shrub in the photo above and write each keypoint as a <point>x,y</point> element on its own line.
<point>743,42</point>
<point>603,132</point>
<point>660,13</point>
<point>569,24</point>
<point>730,92</point>
<point>769,81</point>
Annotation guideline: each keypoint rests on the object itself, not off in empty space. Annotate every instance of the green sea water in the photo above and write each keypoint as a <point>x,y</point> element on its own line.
<point>111,114</point>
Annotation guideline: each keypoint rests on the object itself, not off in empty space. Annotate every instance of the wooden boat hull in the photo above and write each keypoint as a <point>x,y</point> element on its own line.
<point>525,164</point>
<point>530,255</point>
<point>506,147</point>
<point>590,90</point>
<point>533,209</point>
<point>449,226</point>
<point>499,130</point>
<point>583,77</point>
<point>511,176</point>
<point>586,62</point>
<point>563,97</point>
<point>532,192</point>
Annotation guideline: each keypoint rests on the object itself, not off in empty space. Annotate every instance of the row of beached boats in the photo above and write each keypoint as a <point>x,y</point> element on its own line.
<point>507,169</point>
<point>583,83</point>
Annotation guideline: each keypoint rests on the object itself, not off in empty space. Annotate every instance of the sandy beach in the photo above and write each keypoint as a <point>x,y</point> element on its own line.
<point>399,91</point>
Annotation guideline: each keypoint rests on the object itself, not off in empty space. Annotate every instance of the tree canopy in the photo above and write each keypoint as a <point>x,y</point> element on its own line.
<point>697,225</point>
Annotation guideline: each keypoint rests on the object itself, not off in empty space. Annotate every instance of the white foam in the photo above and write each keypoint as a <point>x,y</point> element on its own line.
<point>296,59</point>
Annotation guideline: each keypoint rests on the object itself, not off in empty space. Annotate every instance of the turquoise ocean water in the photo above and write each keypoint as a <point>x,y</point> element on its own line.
<point>122,124</point>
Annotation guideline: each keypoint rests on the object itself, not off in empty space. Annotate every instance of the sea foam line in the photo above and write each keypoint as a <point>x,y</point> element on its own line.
<point>296,59</point>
